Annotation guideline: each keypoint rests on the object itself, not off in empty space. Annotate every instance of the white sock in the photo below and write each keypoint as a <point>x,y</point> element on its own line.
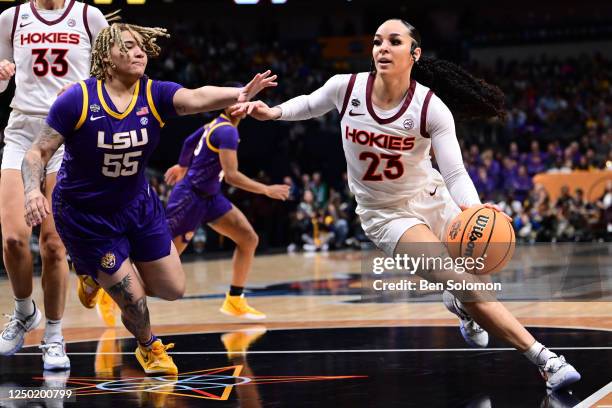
<point>538,354</point>
<point>53,331</point>
<point>24,307</point>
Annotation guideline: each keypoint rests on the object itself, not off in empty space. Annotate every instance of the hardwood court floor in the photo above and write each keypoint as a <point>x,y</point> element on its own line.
<point>347,343</point>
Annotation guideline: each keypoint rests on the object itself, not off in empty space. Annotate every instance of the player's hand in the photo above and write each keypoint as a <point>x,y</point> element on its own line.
<point>36,208</point>
<point>278,191</point>
<point>175,174</point>
<point>259,82</point>
<point>492,206</point>
<point>257,109</point>
<point>7,70</point>
<point>64,89</point>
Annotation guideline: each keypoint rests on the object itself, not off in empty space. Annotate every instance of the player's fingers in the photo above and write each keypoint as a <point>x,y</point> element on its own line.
<point>32,212</point>
<point>497,208</point>
<point>40,209</point>
<point>27,218</point>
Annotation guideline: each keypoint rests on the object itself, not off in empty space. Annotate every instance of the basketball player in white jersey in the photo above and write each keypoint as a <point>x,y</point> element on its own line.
<point>389,123</point>
<point>45,44</point>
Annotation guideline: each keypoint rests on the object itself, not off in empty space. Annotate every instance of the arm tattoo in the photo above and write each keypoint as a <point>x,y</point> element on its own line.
<point>35,160</point>
<point>134,313</point>
<point>31,172</point>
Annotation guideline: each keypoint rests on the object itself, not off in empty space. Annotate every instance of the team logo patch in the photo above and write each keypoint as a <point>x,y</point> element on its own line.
<point>355,102</point>
<point>408,124</point>
<point>94,108</point>
<point>108,260</point>
<point>144,121</point>
<point>71,22</point>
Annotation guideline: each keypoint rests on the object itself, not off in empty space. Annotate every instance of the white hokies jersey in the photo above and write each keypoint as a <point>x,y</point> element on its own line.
<point>51,48</point>
<point>387,152</point>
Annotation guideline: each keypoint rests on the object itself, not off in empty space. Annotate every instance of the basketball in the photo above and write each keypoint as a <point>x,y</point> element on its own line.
<point>481,232</point>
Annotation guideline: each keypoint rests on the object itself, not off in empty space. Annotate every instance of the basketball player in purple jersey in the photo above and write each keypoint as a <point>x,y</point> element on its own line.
<point>208,156</point>
<point>105,211</point>
<point>44,44</point>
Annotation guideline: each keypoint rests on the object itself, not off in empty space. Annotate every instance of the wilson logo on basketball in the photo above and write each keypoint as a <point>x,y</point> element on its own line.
<point>454,229</point>
<point>476,233</point>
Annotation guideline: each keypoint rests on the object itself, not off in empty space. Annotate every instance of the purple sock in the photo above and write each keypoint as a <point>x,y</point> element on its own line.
<point>148,343</point>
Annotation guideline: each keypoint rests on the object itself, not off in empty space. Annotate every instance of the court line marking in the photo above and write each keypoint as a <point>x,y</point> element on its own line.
<point>90,353</point>
<point>596,396</point>
<point>246,325</point>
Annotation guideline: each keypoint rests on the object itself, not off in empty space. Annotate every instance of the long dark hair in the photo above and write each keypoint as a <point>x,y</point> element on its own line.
<point>466,96</point>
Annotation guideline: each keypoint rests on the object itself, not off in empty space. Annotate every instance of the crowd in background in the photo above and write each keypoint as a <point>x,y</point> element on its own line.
<point>559,119</point>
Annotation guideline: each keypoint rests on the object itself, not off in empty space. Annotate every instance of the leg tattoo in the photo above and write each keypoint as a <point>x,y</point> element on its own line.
<point>134,313</point>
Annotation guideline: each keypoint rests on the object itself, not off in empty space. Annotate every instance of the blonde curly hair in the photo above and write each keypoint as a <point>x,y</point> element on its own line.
<point>101,54</point>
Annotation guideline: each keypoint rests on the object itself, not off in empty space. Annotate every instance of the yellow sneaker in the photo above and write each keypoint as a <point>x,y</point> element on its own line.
<point>88,290</point>
<point>156,390</point>
<point>108,354</point>
<point>238,342</point>
<point>155,360</point>
<point>106,308</point>
<point>237,306</point>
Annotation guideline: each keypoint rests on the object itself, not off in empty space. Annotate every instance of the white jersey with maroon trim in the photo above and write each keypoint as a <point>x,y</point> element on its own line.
<point>51,48</point>
<point>387,152</point>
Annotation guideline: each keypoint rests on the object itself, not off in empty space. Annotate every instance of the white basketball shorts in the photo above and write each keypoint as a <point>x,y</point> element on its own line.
<point>19,135</point>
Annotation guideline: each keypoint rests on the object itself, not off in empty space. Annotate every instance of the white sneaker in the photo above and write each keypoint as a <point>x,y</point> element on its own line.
<point>56,380</point>
<point>54,355</point>
<point>558,373</point>
<point>12,337</point>
<point>472,333</point>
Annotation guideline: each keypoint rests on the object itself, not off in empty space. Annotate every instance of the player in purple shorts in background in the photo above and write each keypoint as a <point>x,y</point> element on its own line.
<point>208,156</point>
<point>105,211</point>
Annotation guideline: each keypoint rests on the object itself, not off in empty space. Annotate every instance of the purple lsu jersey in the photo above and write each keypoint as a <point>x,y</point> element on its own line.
<point>200,153</point>
<point>107,151</point>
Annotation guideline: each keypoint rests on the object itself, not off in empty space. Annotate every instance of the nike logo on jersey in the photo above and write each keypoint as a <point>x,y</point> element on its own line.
<point>21,25</point>
<point>434,192</point>
<point>351,113</point>
<point>94,118</point>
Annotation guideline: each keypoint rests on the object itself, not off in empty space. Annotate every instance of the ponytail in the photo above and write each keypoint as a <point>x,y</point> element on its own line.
<point>466,96</point>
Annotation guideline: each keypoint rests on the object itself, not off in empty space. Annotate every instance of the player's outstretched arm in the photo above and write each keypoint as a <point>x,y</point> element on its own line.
<point>33,170</point>
<point>229,164</point>
<point>258,110</point>
<point>209,98</point>
<point>302,107</point>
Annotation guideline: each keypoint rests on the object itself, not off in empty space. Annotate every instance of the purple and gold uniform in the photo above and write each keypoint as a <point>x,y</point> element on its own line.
<point>104,209</point>
<point>197,198</point>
